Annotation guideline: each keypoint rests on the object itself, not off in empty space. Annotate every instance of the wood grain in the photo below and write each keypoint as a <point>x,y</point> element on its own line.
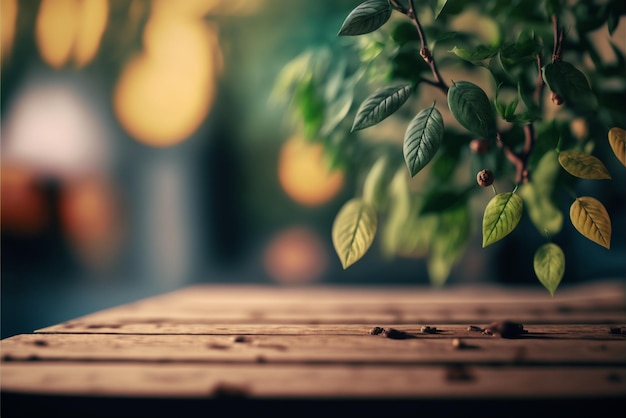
<point>209,342</point>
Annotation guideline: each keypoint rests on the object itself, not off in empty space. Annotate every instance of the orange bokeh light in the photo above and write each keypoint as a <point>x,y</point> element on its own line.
<point>24,208</point>
<point>295,256</point>
<point>304,174</point>
<point>91,216</point>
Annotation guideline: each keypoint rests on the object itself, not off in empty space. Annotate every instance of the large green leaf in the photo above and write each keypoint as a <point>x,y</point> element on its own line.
<point>567,81</point>
<point>502,214</point>
<point>549,265</point>
<point>470,106</point>
<point>366,17</point>
<point>422,139</point>
<point>592,220</point>
<point>353,230</point>
<point>617,139</point>
<point>582,165</point>
<point>380,105</point>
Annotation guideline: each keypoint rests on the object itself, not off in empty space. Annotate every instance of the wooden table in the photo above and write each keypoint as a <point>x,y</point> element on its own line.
<point>217,350</point>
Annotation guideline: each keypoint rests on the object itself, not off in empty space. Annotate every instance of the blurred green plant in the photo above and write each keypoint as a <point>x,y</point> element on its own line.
<point>505,130</point>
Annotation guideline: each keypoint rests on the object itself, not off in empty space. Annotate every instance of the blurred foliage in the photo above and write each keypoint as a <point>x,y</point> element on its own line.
<point>540,97</point>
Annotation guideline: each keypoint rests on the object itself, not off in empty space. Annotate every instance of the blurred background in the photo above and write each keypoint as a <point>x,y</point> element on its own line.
<point>140,155</point>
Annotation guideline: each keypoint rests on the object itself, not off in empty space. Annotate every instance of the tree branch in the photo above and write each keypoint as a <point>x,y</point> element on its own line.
<point>425,52</point>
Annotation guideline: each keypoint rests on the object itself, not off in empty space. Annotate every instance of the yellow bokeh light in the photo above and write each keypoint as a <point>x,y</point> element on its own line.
<point>70,30</point>
<point>9,17</point>
<point>164,94</point>
<point>304,175</point>
<point>200,8</point>
<point>55,30</point>
<point>93,17</point>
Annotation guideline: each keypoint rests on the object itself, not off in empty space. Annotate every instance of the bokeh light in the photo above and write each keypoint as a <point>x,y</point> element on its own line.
<point>91,216</point>
<point>304,173</point>
<point>70,31</point>
<point>296,256</point>
<point>9,17</point>
<point>24,209</point>
<point>53,129</point>
<point>164,94</point>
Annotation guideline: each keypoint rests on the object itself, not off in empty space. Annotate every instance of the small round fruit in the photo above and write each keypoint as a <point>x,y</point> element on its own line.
<point>485,177</point>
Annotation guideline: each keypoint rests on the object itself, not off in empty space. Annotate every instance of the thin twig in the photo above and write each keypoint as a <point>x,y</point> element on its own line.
<point>539,87</point>
<point>557,50</point>
<point>425,52</point>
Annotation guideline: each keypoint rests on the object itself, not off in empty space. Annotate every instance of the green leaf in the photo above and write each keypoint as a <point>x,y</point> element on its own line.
<point>509,112</point>
<point>449,242</point>
<point>502,214</point>
<point>376,182</point>
<point>399,201</point>
<point>537,195</point>
<point>353,230</point>
<point>366,17</point>
<point>440,199</point>
<point>336,112</point>
<point>592,220</point>
<point>542,211</point>
<point>381,105</point>
<point>524,50</point>
<point>479,53</point>
<point>422,139</point>
<point>311,107</point>
<point>471,108</point>
<point>582,165</point>
<point>549,265</point>
<point>531,106</point>
<point>449,8</point>
<point>567,81</point>
<point>404,32</point>
<point>617,139</point>
<point>553,7</point>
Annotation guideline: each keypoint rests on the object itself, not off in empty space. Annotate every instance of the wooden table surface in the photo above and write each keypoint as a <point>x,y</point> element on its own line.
<point>219,350</point>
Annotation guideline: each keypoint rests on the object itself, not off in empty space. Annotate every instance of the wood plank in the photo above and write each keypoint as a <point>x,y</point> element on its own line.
<point>327,381</point>
<point>311,349</point>
<point>445,330</point>
<point>253,315</point>
<point>219,304</point>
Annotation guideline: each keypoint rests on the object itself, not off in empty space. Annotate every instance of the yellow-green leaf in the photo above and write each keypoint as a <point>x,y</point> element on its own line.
<point>592,220</point>
<point>549,264</point>
<point>585,166</point>
<point>502,214</point>
<point>353,230</point>
<point>617,139</point>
